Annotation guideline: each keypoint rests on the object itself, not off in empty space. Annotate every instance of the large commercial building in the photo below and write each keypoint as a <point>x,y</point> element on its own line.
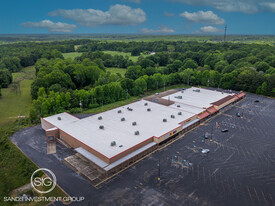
<point>116,138</point>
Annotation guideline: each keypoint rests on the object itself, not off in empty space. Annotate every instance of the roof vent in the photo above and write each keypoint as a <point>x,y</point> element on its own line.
<point>129,109</point>
<point>100,118</point>
<point>148,109</point>
<point>59,118</point>
<point>121,145</point>
<point>178,97</point>
<point>164,120</point>
<point>134,123</point>
<point>101,127</point>
<point>119,111</point>
<point>113,143</point>
<point>173,116</point>
<point>122,119</point>
<point>179,113</point>
<point>136,132</point>
<point>196,90</point>
<point>146,104</point>
<point>178,105</point>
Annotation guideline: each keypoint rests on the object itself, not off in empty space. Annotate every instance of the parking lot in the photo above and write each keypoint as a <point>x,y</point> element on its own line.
<point>238,170</point>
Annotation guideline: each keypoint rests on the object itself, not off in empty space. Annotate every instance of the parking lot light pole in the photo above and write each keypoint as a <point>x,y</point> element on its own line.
<point>158,168</point>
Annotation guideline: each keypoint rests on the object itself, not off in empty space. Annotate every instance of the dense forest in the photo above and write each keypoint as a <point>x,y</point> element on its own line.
<point>83,82</point>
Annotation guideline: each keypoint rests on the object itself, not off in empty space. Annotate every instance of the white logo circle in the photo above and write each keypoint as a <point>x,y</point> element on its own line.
<point>43,181</point>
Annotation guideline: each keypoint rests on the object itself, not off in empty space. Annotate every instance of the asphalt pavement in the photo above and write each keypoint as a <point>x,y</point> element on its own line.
<point>239,170</point>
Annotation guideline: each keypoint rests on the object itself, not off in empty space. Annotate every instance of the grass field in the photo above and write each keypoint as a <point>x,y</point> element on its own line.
<point>16,168</point>
<point>16,100</point>
<point>133,58</point>
<point>114,70</point>
<point>71,55</point>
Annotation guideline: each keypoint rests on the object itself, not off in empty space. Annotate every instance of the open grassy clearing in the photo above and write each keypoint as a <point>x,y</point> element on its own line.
<point>133,58</point>
<point>71,55</point>
<point>16,99</point>
<point>14,104</point>
<point>114,70</point>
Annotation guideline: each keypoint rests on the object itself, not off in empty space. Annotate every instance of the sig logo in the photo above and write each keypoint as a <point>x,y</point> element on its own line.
<point>43,184</point>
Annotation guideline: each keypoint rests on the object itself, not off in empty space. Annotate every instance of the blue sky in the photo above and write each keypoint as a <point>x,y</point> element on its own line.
<point>138,16</point>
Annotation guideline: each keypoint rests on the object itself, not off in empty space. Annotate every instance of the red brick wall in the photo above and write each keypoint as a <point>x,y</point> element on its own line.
<point>75,144</point>
<point>54,133</point>
<point>46,125</point>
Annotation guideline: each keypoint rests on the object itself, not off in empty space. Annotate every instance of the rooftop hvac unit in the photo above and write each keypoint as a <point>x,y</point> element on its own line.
<point>179,113</point>
<point>119,111</point>
<point>101,127</point>
<point>100,118</point>
<point>129,109</point>
<point>136,132</point>
<point>148,109</point>
<point>196,90</point>
<point>59,118</point>
<point>113,143</point>
<point>134,123</point>
<point>173,116</point>
<point>146,104</point>
<point>164,120</point>
<point>122,119</point>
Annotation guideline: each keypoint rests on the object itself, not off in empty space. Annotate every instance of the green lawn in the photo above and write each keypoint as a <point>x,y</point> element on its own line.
<point>114,70</point>
<point>133,58</point>
<point>71,55</point>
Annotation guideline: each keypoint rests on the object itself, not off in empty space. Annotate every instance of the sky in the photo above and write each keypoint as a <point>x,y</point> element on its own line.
<point>137,16</point>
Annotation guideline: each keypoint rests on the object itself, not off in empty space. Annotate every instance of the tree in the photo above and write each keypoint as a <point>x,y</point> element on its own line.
<point>140,86</point>
<point>5,78</point>
<point>262,89</point>
<point>127,84</point>
<point>261,66</point>
<point>190,63</point>
<point>135,52</point>
<point>228,81</point>
<point>134,72</point>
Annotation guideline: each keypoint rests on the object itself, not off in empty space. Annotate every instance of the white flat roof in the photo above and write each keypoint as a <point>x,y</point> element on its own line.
<point>202,99</point>
<point>187,108</point>
<point>149,124</point>
<point>66,118</point>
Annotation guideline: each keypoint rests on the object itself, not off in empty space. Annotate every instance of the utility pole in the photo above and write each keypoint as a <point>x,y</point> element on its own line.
<point>224,37</point>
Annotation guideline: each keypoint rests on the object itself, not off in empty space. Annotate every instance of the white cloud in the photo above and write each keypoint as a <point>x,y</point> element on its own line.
<point>51,26</point>
<point>161,29</point>
<point>168,14</point>
<point>116,15</point>
<point>209,29</point>
<point>206,17</point>
<point>245,6</point>
<point>268,6</point>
